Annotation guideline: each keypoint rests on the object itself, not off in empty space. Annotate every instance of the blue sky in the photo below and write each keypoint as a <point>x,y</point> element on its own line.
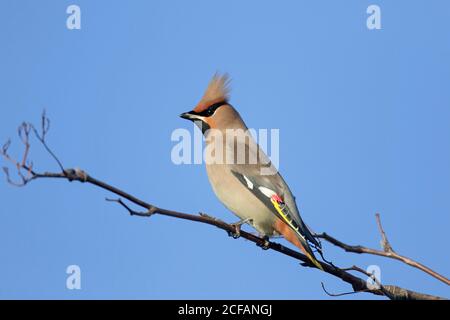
<point>364,128</point>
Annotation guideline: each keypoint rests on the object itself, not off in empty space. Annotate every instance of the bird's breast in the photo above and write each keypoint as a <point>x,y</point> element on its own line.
<point>238,199</point>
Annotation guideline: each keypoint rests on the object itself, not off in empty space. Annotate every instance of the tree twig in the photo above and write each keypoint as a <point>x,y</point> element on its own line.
<point>358,284</point>
<point>339,294</point>
<point>387,252</point>
<point>132,212</point>
<point>385,244</point>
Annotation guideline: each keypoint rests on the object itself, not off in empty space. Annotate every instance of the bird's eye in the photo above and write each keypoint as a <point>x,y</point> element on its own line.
<point>212,108</point>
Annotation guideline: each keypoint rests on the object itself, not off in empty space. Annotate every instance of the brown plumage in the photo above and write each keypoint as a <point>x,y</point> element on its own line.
<point>218,90</point>
<point>242,187</point>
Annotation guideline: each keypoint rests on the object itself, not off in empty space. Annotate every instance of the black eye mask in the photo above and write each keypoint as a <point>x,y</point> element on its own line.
<point>208,112</point>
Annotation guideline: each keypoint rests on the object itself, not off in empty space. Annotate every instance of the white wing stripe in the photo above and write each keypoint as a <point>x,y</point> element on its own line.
<point>267,192</point>
<point>249,183</point>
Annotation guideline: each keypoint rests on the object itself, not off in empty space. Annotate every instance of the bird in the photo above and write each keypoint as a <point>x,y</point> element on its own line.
<point>251,188</point>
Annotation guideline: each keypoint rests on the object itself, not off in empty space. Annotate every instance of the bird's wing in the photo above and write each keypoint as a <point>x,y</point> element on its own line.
<point>251,174</point>
<point>263,185</point>
<point>271,190</point>
<point>268,188</point>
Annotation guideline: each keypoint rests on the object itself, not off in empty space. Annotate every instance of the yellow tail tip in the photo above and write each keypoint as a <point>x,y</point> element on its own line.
<point>314,261</point>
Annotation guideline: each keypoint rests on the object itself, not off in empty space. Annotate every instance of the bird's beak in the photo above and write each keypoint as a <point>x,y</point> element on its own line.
<point>189,116</point>
<point>197,119</point>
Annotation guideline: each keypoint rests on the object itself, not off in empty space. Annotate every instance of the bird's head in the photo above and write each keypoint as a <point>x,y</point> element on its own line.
<point>213,111</point>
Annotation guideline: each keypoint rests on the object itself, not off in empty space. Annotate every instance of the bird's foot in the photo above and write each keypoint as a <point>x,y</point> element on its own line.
<point>237,228</point>
<point>265,245</point>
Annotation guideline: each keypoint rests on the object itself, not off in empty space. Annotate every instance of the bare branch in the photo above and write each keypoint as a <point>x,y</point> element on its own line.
<point>387,252</point>
<point>45,127</point>
<point>339,294</point>
<point>10,181</point>
<point>23,132</point>
<point>132,212</point>
<point>5,146</point>
<point>358,284</point>
<point>45,124</point>
<point>377,282</point>
<point>384,241</point>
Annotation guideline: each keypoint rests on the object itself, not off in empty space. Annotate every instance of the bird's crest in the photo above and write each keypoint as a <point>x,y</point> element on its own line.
<point>218,90</point>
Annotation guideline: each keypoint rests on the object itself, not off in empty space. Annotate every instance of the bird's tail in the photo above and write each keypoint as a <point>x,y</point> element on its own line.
<point>305,247</point>
<point>297,238</point>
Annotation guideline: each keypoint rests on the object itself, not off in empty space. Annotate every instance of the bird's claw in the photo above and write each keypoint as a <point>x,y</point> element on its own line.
<point>237,228</point>
<point>265,245</point>
<point>237,231</point>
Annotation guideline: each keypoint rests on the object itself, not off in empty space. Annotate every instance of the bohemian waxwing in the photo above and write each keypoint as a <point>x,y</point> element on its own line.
<point>241,174</point>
